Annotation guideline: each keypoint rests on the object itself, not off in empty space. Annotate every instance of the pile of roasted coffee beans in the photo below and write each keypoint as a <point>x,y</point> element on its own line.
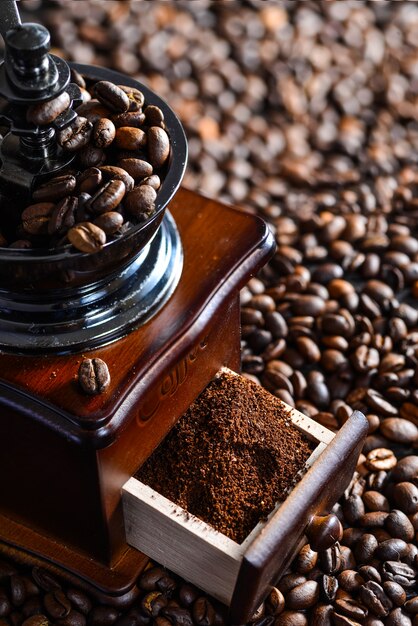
<point>305,113</point>
<point>121,148</point>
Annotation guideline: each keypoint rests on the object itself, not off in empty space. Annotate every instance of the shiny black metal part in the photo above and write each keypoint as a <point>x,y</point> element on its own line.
<point>30,75</point>
<point>74,319</point>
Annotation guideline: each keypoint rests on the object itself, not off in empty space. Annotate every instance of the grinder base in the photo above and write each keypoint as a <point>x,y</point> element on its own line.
<point>65,456</point>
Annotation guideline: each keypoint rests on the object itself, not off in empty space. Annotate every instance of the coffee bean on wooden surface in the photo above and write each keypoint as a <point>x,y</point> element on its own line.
<point>93,376</point>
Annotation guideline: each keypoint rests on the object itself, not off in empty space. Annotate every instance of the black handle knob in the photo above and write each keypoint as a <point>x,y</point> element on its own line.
<point>28,63</point>
<point>27,48</point>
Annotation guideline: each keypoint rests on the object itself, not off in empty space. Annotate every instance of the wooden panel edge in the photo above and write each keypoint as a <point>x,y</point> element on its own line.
<point>318,490</point>
<point>179,541</point>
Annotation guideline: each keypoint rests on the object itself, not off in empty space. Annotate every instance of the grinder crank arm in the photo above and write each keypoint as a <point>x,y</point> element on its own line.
<point>9,16</point>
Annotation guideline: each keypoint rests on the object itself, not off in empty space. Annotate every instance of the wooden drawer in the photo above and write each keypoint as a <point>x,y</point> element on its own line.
<point>240,575</point>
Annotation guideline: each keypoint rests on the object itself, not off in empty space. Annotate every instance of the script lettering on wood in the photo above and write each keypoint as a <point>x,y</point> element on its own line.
<point>170,383</point>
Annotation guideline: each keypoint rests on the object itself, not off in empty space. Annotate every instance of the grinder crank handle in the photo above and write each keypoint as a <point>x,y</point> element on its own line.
<point>9,16</point>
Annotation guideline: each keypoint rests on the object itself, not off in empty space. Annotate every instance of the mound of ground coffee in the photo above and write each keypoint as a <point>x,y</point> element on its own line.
<point>231,457</point>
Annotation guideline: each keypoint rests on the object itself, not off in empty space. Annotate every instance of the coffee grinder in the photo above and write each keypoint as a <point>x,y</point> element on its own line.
<point>160,305</point>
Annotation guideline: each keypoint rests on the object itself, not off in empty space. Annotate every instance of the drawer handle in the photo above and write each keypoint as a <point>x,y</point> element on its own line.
<point>323,531</point>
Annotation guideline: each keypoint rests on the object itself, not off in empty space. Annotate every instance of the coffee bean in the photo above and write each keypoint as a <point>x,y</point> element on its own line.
<point>75,136</point>
<point>351,608</point>
<point>35,218</point>
<point>405,496</point>
<point>36,620</point>
<point>79,600</point>
<point>93,376</point>
<point>399,526</point>
<point>93,111</point>
<point>368,572</point>
<point>375,599</point>
<point>135,96</point>
<point>153,181</point>
<point>130,138</point>
<point>90,156</point>
<point>103,133</point>
<point>365,548</point>
<point>111,96</point>
<point>158,146</point>
<point>275,602</point>
<point>376,501</point>
<point>308,305</point>
<point>291,618</point>
<point>398,618</point>
<point>381,459</point>
<point>111,172</point>
<point>154,115</point>
<point>350,580</point>
<point>400,573</point>
<point>290,581</point>
<point>399,430</point>
<point>137,168</point>
<point>395,592</point>
<point>109,222</point>
<point>378,403</point>
<point>107,197</point>
<point>353,508</point>
<point>55,189</point>
<point>306,559</point>
<point>140,202</point>
<point>63,216</point>
<point>374,519</point>
<point>89,180</point>
<point>103,616</point>
<point>57,604</point>
<point>17,590</point>
<point>322,615</point>
<point>74,618</point>
<point>136,119</point>
<point>391,549</point>
<point>44,579</point>
<point>328,586</point>
<point>203,612</point>
<point>46,112</point>
<point>331,559</point>
<point>178,616</point>
<point>86,237</point>
<point>405,469</point>
<point>303,596</point>
<point>344,620</point>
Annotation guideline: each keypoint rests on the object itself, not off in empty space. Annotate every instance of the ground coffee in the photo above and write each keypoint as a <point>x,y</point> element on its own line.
<point>231,457</point>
